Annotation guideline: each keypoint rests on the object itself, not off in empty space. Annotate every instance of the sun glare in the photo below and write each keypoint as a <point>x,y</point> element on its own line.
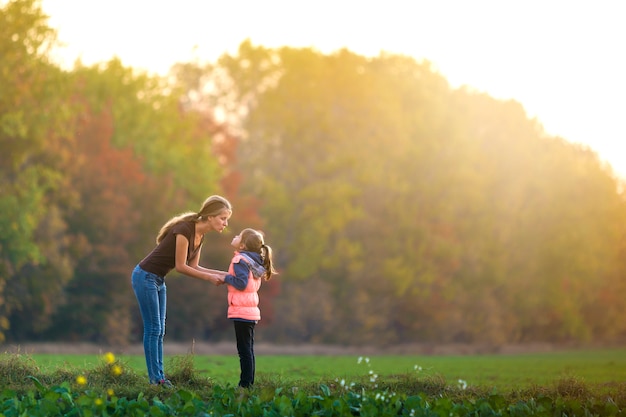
<point>558,58</point>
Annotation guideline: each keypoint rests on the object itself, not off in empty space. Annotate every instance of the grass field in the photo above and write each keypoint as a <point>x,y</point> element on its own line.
<point>501,371</point>
<point>568,383</point>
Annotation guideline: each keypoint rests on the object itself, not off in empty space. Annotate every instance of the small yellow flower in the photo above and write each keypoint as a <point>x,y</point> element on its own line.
<point>110,392</point>
<point>81,380</point>
<point>109,358</point>
<point>116,370</point>
<point>98,401</point>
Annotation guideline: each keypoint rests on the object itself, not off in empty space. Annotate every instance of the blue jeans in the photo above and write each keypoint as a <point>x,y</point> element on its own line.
<point>151,297</point>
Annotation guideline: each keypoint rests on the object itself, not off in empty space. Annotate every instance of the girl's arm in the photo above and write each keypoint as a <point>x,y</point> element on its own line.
<point>240,279</point>
<point>192,269</point>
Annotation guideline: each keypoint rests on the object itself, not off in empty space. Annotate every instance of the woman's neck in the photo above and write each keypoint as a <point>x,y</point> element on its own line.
<point>202,228</point>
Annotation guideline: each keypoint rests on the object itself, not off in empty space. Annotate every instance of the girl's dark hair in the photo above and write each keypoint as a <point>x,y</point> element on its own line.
<point>252,241</point>
<point>212,206</point>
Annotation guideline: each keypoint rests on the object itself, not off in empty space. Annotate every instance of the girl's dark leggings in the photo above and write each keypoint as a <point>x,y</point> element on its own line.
<point>245,347</point>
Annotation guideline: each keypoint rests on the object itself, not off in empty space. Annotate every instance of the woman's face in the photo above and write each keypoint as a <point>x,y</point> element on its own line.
<point>219,222</point>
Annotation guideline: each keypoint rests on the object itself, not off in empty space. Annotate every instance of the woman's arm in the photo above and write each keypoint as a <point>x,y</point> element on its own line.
<point>195,264</point>
<point>210,271</point>
<point>192,269</point>
<point>214,271</point>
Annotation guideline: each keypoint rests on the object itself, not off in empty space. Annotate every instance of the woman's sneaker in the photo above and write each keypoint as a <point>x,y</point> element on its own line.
<point>165,383</point>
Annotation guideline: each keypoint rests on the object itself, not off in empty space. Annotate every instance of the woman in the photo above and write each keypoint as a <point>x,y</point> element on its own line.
<point>179,243</point>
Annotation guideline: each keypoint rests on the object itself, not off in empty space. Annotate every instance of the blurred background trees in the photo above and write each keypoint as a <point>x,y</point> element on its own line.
<point>400,209</point>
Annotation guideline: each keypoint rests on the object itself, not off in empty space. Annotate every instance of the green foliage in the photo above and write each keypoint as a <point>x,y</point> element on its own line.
<point>33,119</point>
<point>94,161</point>
<point>15,368</point>
<point>104,391</point>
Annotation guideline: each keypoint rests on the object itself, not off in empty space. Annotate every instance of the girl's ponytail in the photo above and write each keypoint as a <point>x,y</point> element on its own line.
<point>266,256</point>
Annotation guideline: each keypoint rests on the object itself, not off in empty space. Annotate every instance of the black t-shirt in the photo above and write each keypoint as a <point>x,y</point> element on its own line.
<point>162,259</point>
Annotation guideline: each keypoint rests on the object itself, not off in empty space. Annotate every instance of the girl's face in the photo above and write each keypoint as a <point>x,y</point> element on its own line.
<point>219,222</point>
<point>236,242</point>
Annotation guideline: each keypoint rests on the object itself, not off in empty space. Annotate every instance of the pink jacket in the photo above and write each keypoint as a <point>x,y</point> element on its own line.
<point>244,304</point>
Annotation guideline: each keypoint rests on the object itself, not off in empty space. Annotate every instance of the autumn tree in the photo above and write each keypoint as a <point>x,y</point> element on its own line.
<point>143,161</point>
<point>418,212</point>
<point>34,115</point>
<point>98,158</point>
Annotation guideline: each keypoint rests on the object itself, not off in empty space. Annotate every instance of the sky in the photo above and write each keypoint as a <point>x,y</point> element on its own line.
<point>563,60</point>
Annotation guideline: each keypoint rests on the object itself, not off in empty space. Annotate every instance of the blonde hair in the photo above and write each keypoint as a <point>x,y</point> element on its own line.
<point>212,206</point>
<point>252,241</point>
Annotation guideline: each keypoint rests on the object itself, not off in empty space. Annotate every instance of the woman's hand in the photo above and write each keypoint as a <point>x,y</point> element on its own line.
<point>216,279</point>
<point>220,280</point>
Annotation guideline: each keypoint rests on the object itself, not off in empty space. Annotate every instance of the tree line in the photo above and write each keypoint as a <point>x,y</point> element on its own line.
<point>400,209</point>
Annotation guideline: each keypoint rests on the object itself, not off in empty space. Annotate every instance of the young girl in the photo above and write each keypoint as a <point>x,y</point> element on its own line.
<point>251,262</point>
<point>179,243</point>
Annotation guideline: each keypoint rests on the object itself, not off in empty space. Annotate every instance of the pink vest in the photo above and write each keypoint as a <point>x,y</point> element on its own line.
<point>244,304</point>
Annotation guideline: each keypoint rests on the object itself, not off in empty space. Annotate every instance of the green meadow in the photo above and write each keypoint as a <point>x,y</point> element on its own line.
<point>568,383</point>
<point>504,372</point>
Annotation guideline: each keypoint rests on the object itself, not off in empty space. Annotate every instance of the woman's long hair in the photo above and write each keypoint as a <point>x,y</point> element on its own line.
<point>212,206</point>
